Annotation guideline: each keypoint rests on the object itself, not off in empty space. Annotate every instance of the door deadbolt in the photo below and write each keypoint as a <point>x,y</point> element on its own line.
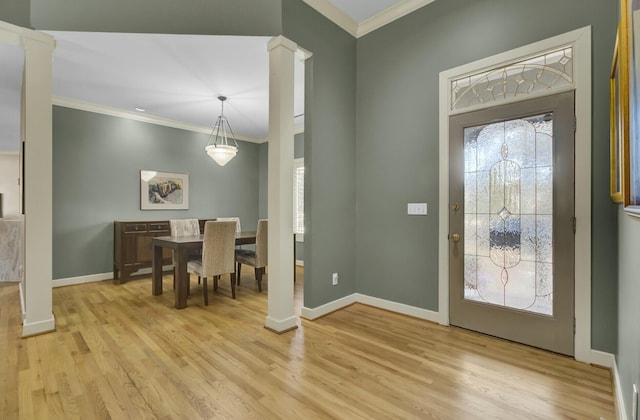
<point>455,237</point>
<point>455,207</point>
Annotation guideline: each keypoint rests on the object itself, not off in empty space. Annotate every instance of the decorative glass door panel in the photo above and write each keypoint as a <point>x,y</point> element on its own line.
<point>512,220</point>
<point>507,212</point>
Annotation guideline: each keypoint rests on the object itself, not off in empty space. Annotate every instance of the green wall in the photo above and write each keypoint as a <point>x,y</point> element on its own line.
<point>221,17</point>
<point>628,356</point>
<point>398,69</point>
<point>96,179</point>
<point>15,12</point>
<point>329,152</point>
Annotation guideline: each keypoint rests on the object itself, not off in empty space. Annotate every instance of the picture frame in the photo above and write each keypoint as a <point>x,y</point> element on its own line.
<point>615,126</point>
<point>163,190</point>
<point>620,107</point>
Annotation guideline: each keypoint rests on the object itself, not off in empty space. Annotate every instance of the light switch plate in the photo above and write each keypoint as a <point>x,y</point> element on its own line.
<point>417,209</point>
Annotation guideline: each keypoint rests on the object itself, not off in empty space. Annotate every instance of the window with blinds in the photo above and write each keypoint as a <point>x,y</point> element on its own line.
<point>298,196</point>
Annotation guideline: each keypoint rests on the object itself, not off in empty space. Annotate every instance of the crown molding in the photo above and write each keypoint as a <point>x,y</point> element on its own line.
<point>389,15</point>
<point>136,116</point>
<point>337,16</point>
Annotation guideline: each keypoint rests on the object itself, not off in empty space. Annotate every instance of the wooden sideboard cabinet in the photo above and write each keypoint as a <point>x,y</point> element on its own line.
<point>132,247</point>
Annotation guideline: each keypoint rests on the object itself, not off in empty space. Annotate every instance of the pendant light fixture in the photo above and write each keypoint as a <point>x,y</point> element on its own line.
<point>221,151</point>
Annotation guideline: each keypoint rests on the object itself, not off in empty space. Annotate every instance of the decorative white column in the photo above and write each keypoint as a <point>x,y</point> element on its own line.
<point>280,316</point>
<point>36,289</point>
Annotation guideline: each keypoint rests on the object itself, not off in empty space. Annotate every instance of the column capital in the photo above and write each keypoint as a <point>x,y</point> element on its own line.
<point>281,41</point>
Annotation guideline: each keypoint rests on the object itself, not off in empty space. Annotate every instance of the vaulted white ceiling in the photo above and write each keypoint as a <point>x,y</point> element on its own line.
<point>171,77</point>
<point>176,79</point>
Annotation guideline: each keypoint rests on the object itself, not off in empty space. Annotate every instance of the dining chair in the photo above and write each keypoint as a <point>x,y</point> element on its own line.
<point>183,227</point>
<point>238,227</point>
<point>235,219</point>
<point>258,258</point>
<point>217,257</point>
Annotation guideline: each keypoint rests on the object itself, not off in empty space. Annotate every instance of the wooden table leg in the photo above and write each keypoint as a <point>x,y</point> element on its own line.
<point>182,278</point>
<point>156,271</point>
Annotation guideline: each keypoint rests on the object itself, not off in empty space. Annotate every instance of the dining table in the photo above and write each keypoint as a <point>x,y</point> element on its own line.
<point>182,246</point>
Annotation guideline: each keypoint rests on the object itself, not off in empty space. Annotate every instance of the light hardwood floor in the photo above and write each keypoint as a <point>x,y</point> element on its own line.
<point>121,353</point>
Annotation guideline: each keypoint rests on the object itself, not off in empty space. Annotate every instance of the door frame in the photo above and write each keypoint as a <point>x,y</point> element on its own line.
<point>580,39</point>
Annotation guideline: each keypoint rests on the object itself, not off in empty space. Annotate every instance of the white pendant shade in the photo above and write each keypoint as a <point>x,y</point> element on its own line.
<point>221,153</point>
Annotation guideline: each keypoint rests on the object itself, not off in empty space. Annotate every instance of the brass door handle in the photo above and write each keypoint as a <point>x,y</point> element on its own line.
<point>455,237</point>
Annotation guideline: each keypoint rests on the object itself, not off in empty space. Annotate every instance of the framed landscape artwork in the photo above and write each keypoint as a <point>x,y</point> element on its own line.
<point>163,190</point>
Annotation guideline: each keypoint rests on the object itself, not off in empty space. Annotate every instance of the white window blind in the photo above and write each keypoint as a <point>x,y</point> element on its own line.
<point>298,196</point>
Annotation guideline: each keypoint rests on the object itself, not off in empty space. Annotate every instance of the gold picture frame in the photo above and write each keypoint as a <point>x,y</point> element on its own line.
<point>615,126</point>
<point>619,111</point>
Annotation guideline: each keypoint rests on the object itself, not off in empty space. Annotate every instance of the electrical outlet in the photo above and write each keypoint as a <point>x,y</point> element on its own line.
<point>334,279</point>
<point>634,403</point>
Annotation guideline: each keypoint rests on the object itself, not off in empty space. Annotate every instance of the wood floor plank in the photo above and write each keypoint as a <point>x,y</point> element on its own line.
<point>119,352</point>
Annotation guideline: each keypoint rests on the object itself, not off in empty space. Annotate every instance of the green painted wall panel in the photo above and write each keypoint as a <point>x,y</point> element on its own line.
<point>205,17</point>
<point>96,179</point>
<point>628,356</point>
<point>16,12</point>
<point>329,152</point>
<point>397,148</point>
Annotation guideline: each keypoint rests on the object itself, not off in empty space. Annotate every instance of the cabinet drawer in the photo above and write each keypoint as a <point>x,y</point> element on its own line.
<point>135,227</point>
<point>159,227</point>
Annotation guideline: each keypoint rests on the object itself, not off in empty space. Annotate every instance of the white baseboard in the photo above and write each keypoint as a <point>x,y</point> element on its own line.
<point>400,308</point>
<point>600,358</point>
<point>617,393</point>
<point>40,327</point>
<point>281,325</point>
<point>90,278</point>
<point>314,313</point>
